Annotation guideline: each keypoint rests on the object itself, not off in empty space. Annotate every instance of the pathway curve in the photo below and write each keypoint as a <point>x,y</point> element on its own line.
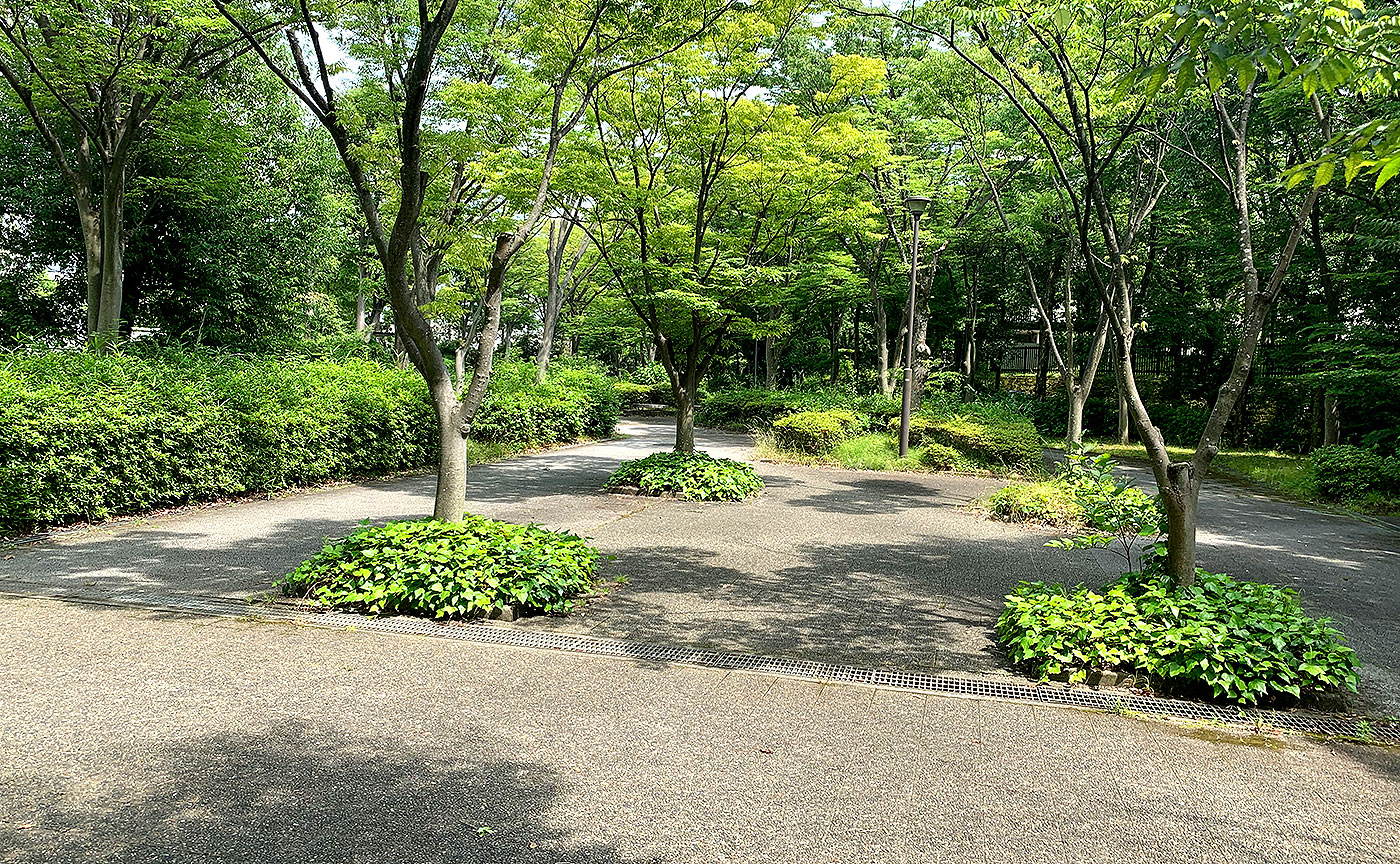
<point>866,568</point>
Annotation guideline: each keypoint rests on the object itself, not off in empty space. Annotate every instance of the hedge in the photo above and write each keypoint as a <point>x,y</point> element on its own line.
<point>573,403</point>
<point>85,437</point>
<point>998,440</point>
<point>1348,473</point>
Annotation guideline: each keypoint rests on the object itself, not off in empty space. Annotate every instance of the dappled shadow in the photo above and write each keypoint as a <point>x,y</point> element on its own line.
<point>305,793</point>
<point>882,494</point>
<point>929,604</point>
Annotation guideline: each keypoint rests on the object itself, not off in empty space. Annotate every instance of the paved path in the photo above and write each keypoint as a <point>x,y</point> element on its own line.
<point>132,737</point>
<point>844,566</point>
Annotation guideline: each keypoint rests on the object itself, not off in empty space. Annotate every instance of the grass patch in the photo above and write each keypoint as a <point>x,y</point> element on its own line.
<point>880,452</point>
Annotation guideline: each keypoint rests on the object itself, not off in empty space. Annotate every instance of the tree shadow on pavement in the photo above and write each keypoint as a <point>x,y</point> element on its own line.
<point>929,604</point>
<point>307,794</point>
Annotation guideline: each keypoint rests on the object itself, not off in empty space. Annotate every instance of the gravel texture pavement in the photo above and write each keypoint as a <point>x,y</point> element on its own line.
<point>874,569</point>
<point>129,736</point>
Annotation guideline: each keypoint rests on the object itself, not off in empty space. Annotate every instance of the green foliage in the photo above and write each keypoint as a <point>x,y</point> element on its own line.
<point>1348,473</point>
<point>1239,641</point>
<point>1049,502</point>
<point>815,432</point>
<point>751,408</point>
<point>572,404</point>
<point>87,437</point>
<point>653,377</point>
<point>447,569</point>
<point>1009,441</point>
<point>630,395</point>
<point>690,476</point>
<point>940,457</point>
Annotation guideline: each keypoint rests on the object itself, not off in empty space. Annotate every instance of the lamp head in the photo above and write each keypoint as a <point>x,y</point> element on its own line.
<point>916,204</point>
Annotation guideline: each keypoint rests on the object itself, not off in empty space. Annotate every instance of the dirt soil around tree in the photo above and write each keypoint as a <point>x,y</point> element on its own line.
<point>876,569</point>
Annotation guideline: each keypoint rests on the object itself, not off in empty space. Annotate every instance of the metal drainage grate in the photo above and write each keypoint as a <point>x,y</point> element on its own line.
<point>1382,731</point>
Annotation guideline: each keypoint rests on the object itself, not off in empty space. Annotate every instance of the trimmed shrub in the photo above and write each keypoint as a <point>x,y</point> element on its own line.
<point>447,569</point>
<point>815,432</point>
<point>1238,641</point>
<point>573,403</point>
<point>939,457</point>
<point>1052,502</point>
<point>1347,473</point>
<point>690,476</point>
<point>653,377</point>
<point>1011,441</point>
<point>86,437</point>
<point>631,395</point>
<point>743,408</point>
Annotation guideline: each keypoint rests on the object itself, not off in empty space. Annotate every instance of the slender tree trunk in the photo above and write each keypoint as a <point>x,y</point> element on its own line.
<point>882,345</point>
<point>1122,417</point>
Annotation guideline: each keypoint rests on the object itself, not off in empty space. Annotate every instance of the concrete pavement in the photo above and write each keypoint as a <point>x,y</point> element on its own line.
<point>129,736</point>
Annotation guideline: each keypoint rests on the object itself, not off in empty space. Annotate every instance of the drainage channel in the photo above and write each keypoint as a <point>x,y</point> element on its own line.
<point>1359,728</point>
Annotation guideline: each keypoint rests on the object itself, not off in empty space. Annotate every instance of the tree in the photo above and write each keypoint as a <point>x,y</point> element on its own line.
<point>710,189</point>
<point>92,76</point>
<point>567,49</point>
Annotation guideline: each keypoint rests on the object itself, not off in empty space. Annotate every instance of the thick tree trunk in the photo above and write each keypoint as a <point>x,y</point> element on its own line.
<point>1331,420</point>
<point>109,300</point>
<point>1074,423</point>
<point>450,502</point>
<point>685,420</point>
<point>90,224</point>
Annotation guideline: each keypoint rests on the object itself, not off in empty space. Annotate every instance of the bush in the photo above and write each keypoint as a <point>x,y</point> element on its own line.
<point>744,408</point>
<point>1010,441</point>
<point>1051,502</point>
<point>939,457</point>
<point>1348,473</point>
<point>691,476</point>
<point>447,569</point>
<point>631,395</point>
<point>87,437</point>
<point>573,403</point>
<point>815,432</point>
<point>1240,641</point>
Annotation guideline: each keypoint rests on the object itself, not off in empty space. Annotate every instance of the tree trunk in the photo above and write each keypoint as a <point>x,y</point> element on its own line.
<point>553,300</point>
<point>450,502</point>
<point>685,420</point>
<point>109,303</point>
<point>1122,417</point>
<point>1331,420</point>
<point>1042,367</point>
<point>1074,424</point>
<point>882,345</point>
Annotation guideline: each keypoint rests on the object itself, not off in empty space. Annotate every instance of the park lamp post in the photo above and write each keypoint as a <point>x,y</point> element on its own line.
<point>916,206</point>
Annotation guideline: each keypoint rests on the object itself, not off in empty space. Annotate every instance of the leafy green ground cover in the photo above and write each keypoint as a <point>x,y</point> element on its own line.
<point>689,476</point>
<point>447,569</point>
<point>1231,640</point>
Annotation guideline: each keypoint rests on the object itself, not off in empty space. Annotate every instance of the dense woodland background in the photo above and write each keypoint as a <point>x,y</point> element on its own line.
<point>733,196</point>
